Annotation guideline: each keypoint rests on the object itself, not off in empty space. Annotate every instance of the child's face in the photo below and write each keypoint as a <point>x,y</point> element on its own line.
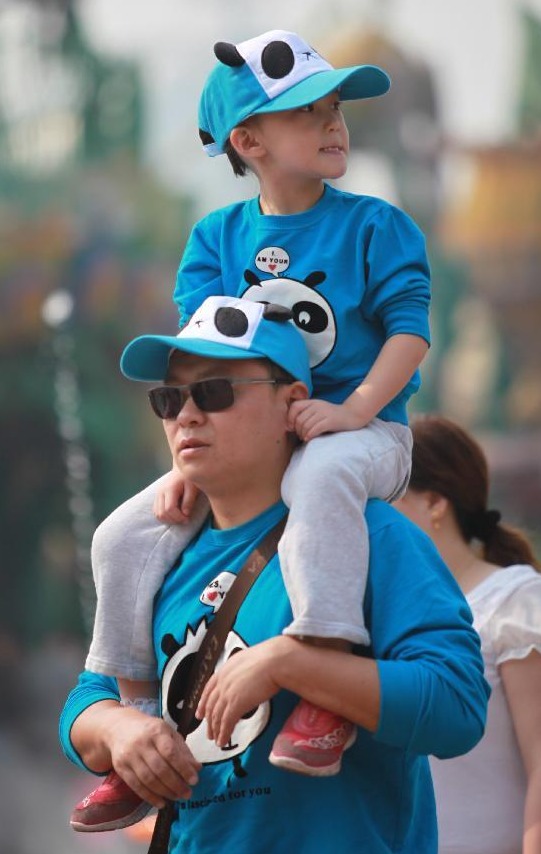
<point>309,142</point>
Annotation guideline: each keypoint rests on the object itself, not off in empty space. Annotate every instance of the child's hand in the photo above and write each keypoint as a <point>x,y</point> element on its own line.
<point>311,418</point>
<point>175,499</point>
<point>241,685</point>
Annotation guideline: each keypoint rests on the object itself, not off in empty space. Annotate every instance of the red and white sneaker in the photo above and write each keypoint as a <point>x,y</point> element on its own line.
<point>312,741</point>
<point>111,806</point>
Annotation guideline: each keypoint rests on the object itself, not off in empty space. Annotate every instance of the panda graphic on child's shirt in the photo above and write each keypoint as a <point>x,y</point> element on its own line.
<point>311,313</point>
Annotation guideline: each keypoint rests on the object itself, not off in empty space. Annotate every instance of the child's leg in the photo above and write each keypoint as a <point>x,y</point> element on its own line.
<point>324,549</point>
<point>131,554</point>
<point>324,560</point>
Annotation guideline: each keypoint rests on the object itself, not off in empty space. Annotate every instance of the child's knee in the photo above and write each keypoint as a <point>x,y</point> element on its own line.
<point>109,540</point>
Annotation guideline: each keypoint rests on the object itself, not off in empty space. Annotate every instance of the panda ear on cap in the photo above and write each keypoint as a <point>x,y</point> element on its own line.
<point>228,54</point>
<point>272,311</point>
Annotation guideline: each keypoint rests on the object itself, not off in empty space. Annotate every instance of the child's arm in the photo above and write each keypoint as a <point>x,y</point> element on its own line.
<point>200,271</point>
<point>175,498</point>
<point>398,360</point>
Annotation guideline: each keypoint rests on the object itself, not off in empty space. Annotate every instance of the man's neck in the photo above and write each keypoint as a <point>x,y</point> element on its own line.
<point>230,511</point>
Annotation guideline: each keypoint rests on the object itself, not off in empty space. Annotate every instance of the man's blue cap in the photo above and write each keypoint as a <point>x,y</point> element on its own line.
<point>272,72</point>
<point>224,328</point>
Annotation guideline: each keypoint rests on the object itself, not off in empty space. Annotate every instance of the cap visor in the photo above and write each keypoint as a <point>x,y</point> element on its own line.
<point>147,358</point>
<point>361,81</point>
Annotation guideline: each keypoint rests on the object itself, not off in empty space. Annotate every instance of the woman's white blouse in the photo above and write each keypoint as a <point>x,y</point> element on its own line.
<point>480,796</point>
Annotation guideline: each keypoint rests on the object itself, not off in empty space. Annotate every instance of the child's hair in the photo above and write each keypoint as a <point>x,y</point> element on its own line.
<point>239,166</point>
<point>448,461</point>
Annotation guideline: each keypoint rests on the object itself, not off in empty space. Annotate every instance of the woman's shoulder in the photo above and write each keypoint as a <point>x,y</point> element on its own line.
<point>507,611</point>
<point>504,583</point>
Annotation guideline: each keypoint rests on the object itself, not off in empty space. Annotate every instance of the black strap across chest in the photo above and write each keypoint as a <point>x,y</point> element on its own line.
<point>208,655</point>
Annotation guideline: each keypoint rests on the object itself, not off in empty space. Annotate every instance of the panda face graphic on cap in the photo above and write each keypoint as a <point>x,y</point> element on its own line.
<point>278,59</point>
<point>230,321</point>
<point>225,324</point>
<point>224,328</point>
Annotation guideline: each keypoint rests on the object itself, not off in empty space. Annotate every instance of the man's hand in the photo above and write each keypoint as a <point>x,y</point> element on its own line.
<point>243,683</point>
<point>150,757</point>
<point>311,418</point>
<point>175,499</point>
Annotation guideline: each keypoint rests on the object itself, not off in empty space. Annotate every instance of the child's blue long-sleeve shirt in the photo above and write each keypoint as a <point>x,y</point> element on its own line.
<point>353,269</point>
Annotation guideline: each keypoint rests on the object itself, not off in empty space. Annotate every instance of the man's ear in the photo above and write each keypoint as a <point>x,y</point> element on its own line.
<point>297,391</point>
<point>246,142</point>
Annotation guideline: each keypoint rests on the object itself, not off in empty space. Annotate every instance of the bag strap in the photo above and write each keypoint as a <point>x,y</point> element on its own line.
<point>208,654</point>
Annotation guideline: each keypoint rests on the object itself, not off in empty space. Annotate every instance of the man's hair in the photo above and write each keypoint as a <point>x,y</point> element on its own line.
<point>239,166</point>
<point>278,373</point>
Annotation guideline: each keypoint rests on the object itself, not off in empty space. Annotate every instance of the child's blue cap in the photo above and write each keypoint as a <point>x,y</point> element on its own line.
<point>224,328</point>
<point>273,72</point>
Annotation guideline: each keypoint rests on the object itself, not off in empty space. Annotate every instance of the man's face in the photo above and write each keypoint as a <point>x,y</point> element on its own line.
<point>224,452</point>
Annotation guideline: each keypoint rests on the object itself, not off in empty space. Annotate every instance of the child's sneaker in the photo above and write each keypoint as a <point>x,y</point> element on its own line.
<point>111,806</point>
<point>312,741</point>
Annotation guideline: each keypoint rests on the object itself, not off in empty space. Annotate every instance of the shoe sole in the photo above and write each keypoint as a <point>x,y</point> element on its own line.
<point>117,824</point>
<point>290,763</point>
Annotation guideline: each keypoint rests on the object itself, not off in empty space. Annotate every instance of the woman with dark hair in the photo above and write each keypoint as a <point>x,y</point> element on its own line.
<point>489,800</point>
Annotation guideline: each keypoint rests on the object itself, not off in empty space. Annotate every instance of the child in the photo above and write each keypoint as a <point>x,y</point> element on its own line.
<point>354,273</point>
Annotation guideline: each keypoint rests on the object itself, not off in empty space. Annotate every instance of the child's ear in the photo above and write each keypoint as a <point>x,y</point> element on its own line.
<point>246,142</point>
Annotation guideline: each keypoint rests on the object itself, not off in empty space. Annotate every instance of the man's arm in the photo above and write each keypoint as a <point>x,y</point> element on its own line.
<point>337,681</point>
<point>99,734</point>
<point>423,691</point>
<point>434,695</point>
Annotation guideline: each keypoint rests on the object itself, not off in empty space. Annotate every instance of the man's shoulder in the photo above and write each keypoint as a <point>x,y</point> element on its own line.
<point>396,542</point>
<point>391,533</point>
<point>380,516</point>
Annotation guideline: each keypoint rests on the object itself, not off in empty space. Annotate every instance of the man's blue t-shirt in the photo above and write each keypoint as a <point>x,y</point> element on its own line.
<point>433,700</point>
<point>353,270</point>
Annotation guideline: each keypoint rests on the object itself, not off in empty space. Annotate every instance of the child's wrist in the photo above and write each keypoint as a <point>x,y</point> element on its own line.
<point>358,412</point>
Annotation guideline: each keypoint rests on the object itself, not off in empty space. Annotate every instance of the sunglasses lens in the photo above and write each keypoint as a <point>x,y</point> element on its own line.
<point>213,395</point>
<point>208,396</point>
<point>166,401</point>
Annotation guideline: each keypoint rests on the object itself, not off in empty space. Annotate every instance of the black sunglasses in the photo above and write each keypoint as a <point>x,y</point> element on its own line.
<point>212,395</point>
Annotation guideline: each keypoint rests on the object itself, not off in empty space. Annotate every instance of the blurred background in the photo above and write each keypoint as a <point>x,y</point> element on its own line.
<point>101,177</point>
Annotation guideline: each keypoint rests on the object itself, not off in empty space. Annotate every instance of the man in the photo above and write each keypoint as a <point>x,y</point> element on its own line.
<point>420,691</point>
